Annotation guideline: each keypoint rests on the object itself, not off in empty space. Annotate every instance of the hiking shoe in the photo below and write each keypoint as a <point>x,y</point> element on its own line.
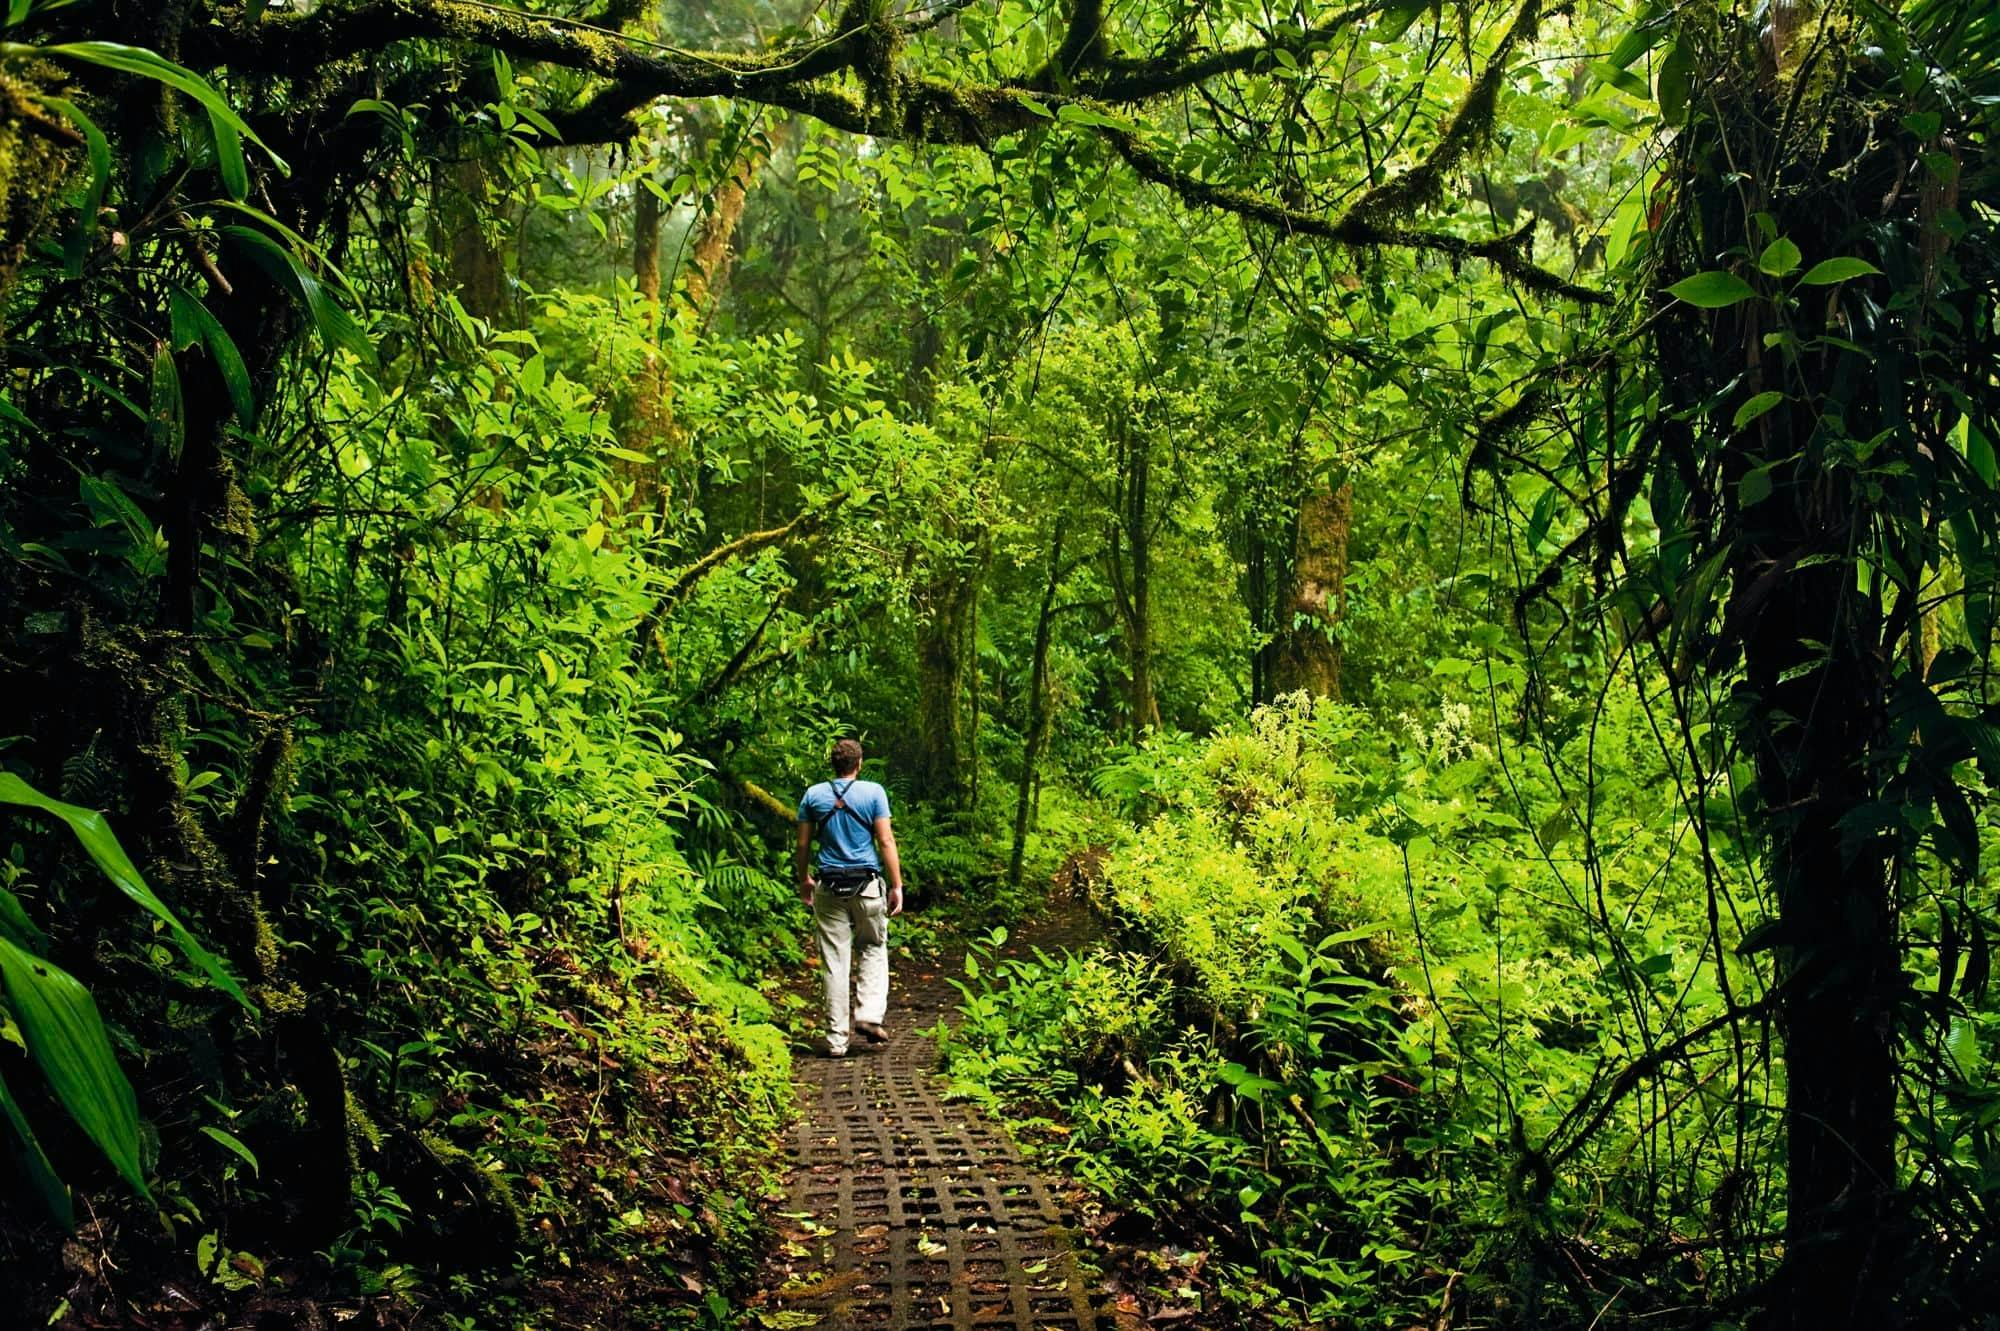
<point>833,1051</point>
<point>871,1032</point>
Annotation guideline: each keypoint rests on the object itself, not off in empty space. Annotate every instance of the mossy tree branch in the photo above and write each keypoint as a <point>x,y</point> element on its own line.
<point>1508,253</point>
<point>805,524</point>
<point>855,80</point>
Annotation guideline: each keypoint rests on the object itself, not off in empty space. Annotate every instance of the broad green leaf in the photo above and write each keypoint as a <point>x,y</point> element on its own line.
<point>192,321</point>
<point>1711,290</point>
<point>76,243</point>
<point>1676,83</point>
<point>336,327</point>
<point>137,60</point>
<point>1623,79</point>
<point>1962,1043</point>
<point>1397,18</point>
<point>1756,407</point>
<point>231,1144</point>
<point>166,422</point>
<point>1754,488</point>
<point>229,161</point>
<point>35,1162</point>
<point>97,840</point>
<point>1641,37</point>
<point>15,924</point>
<point>67,1040</point>
<point>1828,271</point>
<point>1781,256</point>
<point>1623,226</point>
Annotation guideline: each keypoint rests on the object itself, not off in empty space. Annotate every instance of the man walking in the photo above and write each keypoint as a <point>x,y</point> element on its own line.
<point>850,904</point>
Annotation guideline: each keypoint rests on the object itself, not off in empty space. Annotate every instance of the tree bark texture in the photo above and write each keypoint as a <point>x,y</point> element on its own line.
<point>1308,653</point>
<point>1035,735</point>
<point>651,427</point>
<point>943,754</point>
<point>1132,576</point>
<point>1839,970</point>
<point>710,256</point>
<point>478,265</point>
<point>1815,701</point>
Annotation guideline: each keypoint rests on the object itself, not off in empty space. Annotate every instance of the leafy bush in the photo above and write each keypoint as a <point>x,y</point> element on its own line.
<point>1400,967</point>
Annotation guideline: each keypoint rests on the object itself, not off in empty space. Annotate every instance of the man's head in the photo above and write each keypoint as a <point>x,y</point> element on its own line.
<point>845,757</point>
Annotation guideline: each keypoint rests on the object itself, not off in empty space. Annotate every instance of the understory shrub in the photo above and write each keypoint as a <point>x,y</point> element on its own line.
<point>1418,1016</point>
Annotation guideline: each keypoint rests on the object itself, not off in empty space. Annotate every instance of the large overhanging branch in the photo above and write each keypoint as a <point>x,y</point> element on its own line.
<point>1508,253</point>
<point>854,80</point>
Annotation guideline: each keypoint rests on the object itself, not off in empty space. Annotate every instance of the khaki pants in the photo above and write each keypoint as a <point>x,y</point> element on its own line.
<point>847,925</point>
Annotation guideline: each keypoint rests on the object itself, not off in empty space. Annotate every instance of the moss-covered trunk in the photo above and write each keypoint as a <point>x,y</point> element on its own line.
<point>943,762</point>
<point>1308,654</point>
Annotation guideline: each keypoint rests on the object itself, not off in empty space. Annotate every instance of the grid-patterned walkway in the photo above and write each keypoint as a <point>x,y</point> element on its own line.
<point>913,1213</point>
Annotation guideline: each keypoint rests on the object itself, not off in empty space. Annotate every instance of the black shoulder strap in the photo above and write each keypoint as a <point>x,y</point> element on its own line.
<point>840,806</point>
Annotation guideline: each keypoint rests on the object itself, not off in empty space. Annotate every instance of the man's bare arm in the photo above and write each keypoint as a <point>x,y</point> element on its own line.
<point>885,837</point>
<point>802,863</point>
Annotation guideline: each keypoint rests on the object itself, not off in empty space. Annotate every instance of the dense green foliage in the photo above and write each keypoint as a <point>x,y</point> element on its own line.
<point>1475,520</point>
<point>1392,966</point>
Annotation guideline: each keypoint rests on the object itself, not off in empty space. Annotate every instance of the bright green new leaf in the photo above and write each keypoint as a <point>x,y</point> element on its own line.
<point>231,1144</point>
<point>1756,407</point>
<point>67,1039</point>
<point>98,841</point>
<point>1711,290</point>
<point>1828,271</point>
<point>1781,256</point>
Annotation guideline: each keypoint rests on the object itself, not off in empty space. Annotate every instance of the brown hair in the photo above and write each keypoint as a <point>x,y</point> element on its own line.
<point>845,757</point>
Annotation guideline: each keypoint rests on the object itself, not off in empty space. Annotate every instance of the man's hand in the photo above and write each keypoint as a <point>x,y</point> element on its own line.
<point>806,887</point>
<point>896,900</point>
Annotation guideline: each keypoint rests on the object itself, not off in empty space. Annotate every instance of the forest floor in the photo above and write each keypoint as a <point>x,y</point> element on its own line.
<point>913,1211</point>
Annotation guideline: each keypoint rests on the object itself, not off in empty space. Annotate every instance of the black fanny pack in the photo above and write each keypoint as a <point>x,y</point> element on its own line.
<point>846,882</point>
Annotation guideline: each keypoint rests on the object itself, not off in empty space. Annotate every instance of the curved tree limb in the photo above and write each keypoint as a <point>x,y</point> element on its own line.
<point>854,81</point>
<point>805,524</point>
<point>1508,253</point>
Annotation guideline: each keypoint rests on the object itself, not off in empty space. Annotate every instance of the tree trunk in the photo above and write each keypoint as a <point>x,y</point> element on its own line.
<point>1814,707</point>
<point>646,217</point>
<point>651,426</point>
<point>710,256</point>
<point>943,761</point>
<point>1308,653</point>
<point>1036,733</point>
<point>1839,972</point>
<point>1138,599</point>
<point>478,267</point>
<point>1257,600</point>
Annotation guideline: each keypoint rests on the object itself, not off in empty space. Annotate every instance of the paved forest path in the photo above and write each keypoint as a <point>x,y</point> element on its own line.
<point>916,1213</point>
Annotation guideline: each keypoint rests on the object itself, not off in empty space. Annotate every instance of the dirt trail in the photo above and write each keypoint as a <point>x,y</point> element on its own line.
<point>922,1214</point>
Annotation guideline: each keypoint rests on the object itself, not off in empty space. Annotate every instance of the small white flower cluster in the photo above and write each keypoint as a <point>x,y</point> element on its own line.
<point>1451,739</point>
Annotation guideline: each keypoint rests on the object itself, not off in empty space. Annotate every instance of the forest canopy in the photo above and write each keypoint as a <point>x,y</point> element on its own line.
<point>1466,533</point>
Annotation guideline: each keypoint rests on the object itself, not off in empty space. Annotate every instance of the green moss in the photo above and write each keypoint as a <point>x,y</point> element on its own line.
<point>488,1186</point>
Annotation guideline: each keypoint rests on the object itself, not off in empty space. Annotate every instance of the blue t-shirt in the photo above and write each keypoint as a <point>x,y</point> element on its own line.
<point>847,839</point>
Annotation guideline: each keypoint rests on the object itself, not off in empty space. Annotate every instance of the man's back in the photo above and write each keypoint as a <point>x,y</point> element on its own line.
<point>846,835</point>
